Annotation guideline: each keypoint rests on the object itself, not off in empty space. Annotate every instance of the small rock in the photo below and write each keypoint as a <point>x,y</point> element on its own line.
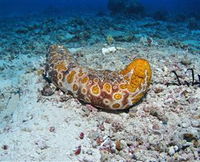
<point>47,90</point>
<point>189,137</point>
<point>78,150</point>
<point>133,112</point>
<point>118,145</point>
<point>99,141</point>
<point>195,123</point>
<point>108,50</point>
<point>171,151</point>
<point>81,136</point>
<point>110,39</point>
<point>186,61</point>
<point>52,129</point>
<point>159,115</point>
<point>176,148</point>
<point>185,125</point>
<point>5,147</point>
<point>101,127</point>
<point>158,89</point>
<point>156,127</point>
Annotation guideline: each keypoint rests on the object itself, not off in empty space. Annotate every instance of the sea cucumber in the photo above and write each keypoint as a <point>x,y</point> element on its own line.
<point>105,89</point>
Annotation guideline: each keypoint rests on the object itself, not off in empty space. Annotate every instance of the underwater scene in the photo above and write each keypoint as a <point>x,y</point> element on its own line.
<point>99,80</point>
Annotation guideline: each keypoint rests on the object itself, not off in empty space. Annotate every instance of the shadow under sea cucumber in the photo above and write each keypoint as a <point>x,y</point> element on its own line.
<point>114,90</point>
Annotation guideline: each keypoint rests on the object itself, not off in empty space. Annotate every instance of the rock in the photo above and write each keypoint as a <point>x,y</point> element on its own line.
<point>109,50</point>
<point>185,61</point>
<point>176,148</point>
<point>159,114</point>
<point>22,30</point>
<point>125,7</point>
<point>116,35</point>
<point>118,145</point>
<point>171,151</point>
<point>110,39</point>
<point>185,124</point>
<point>41,144</point>
<point>158,89</point>
<point>195,123</point>
<point>189,137</point>
<point>47,90</point>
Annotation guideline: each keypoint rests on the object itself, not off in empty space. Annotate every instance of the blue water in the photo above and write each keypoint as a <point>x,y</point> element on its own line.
<point>10,7</point>
<point>174,6</point>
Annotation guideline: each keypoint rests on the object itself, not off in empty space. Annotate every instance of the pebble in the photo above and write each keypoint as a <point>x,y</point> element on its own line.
<point>81,136</point>
<point>189,137</point>
<point>108,50</point>
<point>101,127</point>
<point>176,148</point>
<point>156,127</point>
<point>195,123</point>
<point>47,90</point>
<point>133,112</point>
<point>5,147</point>
<point>118,145</point>
<point>78,150</point>
<point>160,115</point>
<point>185,124</point>
<point>186,61</point>
<point>171,151</point>
<point>52,129</point>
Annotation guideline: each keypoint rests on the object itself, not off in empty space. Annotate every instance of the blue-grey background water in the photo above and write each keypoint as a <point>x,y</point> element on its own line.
<point>9,7</point>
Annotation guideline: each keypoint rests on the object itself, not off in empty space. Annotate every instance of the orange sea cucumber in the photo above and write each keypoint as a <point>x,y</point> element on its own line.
<point>102,88</point>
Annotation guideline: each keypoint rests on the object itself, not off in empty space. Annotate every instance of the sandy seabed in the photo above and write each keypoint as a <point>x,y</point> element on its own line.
<point>163,126</point>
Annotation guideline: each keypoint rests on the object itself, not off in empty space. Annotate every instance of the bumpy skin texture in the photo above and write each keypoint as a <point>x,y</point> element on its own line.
<point>106,89</point>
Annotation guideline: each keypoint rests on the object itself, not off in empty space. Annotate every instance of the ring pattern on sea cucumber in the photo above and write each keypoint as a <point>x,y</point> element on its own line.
<point>102,88</point>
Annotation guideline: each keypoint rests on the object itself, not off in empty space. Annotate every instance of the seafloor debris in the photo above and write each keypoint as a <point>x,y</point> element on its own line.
<point>185,82</point>
<point>5,147</point>
<point>109,50</point>
<point>77,150</point>
<point>47,90</point>
<point>81,136</point>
